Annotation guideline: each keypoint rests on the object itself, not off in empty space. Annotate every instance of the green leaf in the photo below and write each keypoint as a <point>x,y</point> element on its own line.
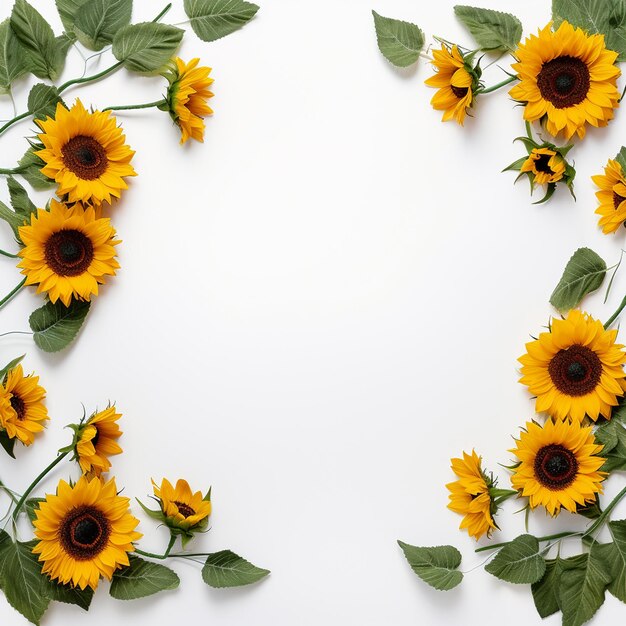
<point>9,366</point>
<point>583,274</point>
<point>400,42</point>
<point>67,10</point>
<point>12,219</point>
<point>141,579</point>
<point>97,21</point>
<point>31,506</point>
<point>590,511</point>
<point>32,172</point>
<point>55,326</point>
<point>616,558</point>
<point>227,569</point>
<point>608,435</point>
<point>8,444</point>
<point>213,19</point>
<point>42,101</point>
<point>12,59</point>
<point>45,57</point>
<point>20,201</point>
<point>492,30</point>
<point>582,585</point>
<point>437,566</point>
<point>607,17</point>
<point>620,157</point>
<point>546,590</point>
<point>147,47</point>
<point>519,561</point>
<point>69,595</point>
<point>613,436</point>
<point>21,579</point>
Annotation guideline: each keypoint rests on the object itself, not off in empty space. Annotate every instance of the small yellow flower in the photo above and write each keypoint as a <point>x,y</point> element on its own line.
<point>97,440</point>
<point>183,509</point>
<point>546,165</point>
<point>612,197</point>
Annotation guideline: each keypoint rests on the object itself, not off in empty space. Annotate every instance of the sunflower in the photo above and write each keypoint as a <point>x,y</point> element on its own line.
<point>546,165</point>
<point>567,78</point>
<point>85,531</point>
<point>456,81</point>
<point>470,496</point>
<point>612,195</point>
<point>97,440</point>
<point>575,369</point>
<point>186,97</point>
<point>67,252</point>
<point>22,412</point>
<point>558,465</point>
<point>85,154</point>
<point>182,509</point>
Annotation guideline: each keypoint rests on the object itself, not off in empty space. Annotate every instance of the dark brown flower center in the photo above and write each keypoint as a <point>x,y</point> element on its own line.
<point>69,252</point>
<point>85,157</point>
<point>84,532</point>
<point>575,371</point>
<point>18,406</point>
<point>541,164</point>
<point>564,81</point>
<point>459,92</point>
<point>617,200</point>
<point>555,467</point>
<point>184,509</point>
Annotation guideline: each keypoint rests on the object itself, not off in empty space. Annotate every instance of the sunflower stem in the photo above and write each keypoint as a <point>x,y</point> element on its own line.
<point>510,79</point>
<point>12,293</point>
<point>88,79</point>
<point>129,107</point>
<point>9,254</point>
<point>604,515</point>
<point>8,491</point>
<point>613,317</point>
<point>163,556</point>
<point>20,504</point>
<point>495,546</point>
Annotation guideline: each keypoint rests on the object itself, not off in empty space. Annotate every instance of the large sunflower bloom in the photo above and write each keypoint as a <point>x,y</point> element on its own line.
<point>186,97</point>
<point>567,77</point>
<point>575,369</point>
<point>68,252</point>
<point>97,441</point>
<point>470,496</point>
<point>85,532</point>
<point>183,509</point>
<point>22,412</point>
<point>546,165</point>
<point>558,466</point>
<point>612,197</point>
<point>455,82</point>
<point>85,153</point>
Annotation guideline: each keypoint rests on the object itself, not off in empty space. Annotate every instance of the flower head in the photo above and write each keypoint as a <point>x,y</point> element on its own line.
<point>612,197</point>
<point>68,252</point>
<point>85,153</point>
<point>186,97</point>
<point>567,78</point>
<point>558,465</point>
<point>96,440</point>
<point>470,496</point>
<point>456,81</point>
<point>575,369</point>
<point>85,532</point>
<point>22,411</point>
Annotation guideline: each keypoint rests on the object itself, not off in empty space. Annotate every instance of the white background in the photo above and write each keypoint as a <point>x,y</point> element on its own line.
<point>317,308</point>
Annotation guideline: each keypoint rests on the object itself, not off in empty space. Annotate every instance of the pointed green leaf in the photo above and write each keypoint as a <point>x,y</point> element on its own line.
<point>546,590</point>
<point>32,165</point>
<point>519,561</point>
<point>214,19</point>
<point>227,569</point>
<point>147,47</point>
<point>400,42</point>
<point>9,366</point>
<point>12,58</point>
<point>12,219</point>
<point>492,30</point>
<point>67,10</point>
<point>142,578</point>
<point>583,274</point>
<point>7,443</point>
<point>621,158</point>
<point>97,21</point>
<point>20,201</point>
<point>55,326</point>
<point>617,559</point>
<point>437,566</point>
<point>70,595</point>
<point>613,436</point>
<point>31,506</point>
<point>154,514</point>
<point>42,101</point>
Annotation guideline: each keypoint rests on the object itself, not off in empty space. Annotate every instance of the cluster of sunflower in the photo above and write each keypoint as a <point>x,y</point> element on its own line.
<point>85,531</point>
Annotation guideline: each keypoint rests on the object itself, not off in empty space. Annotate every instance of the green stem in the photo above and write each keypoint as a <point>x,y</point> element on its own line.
<point>510,79</point>
<point>9,492</point>
<point>184,555</point>
<point>129,107</point>
<point>12,293</point>
<point>20,504</point>
<point>14,121</point>
<point>546,538</point>
<point>88,79</point>
<point>163,556</point>
<point>17,332</point>
<point>600,521</point>
<point>9,254</point>
<point>162,13</point>
<point>611,319</point>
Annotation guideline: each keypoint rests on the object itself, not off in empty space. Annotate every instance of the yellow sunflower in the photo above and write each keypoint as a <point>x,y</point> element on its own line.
<point>97,441</point>
<point>558,465</point>
<point>67,252</point>
<point>22,412</point>
<point>186,97</point>
<point>546,165</point>
<point>455,82</point>
<point>85,532</point>
<point>567,78</point>
<point>575,369</point>
<point>182,508</point>
<point>85,154</point>
<point>470,496</point>
<point>612,196</point>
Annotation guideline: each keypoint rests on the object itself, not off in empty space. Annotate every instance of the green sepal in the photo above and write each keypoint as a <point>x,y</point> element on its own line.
<point>591,510</point>
<point>551,188</point>
<point>158,514</point>
<point>7,443</point>
<point>516,165</point>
